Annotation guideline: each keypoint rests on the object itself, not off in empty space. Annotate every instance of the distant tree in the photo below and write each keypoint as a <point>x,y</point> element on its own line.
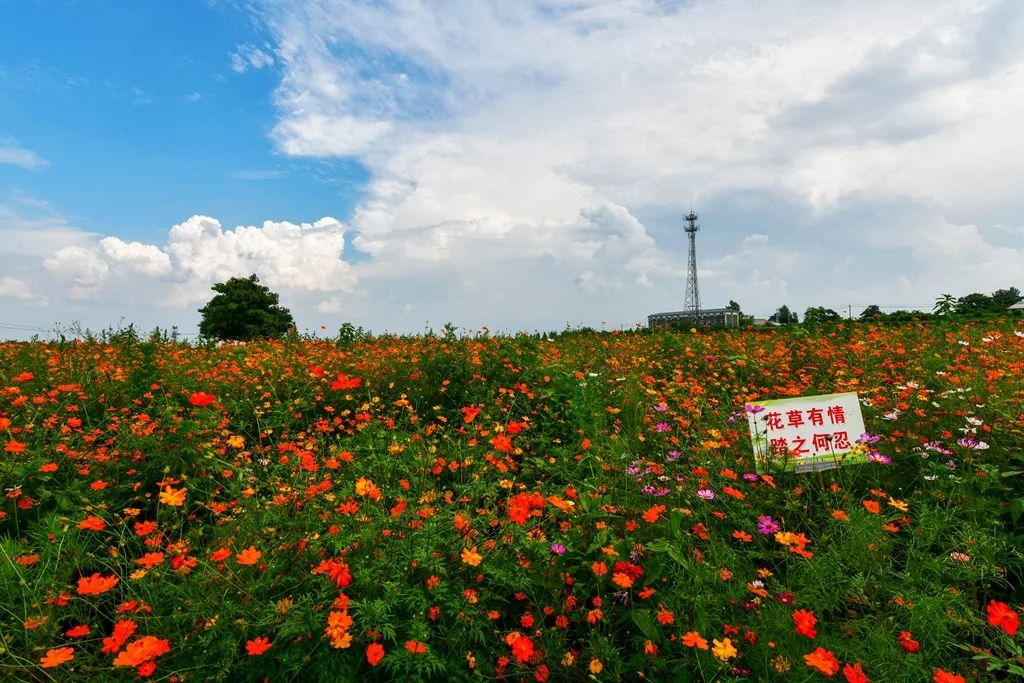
<point>783,315</point>
<point>973,304</point>
<point>945,305</point>
<point>1004,298</point>
<point>733,306</point>
<point>244,309</point>
<point>817,315</point>
<point>871,312</point>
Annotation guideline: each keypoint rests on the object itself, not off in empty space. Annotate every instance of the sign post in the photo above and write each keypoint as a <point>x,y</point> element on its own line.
<point>807,434</point>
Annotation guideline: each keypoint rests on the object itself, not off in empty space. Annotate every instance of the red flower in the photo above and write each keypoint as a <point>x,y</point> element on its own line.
<point>907,642</point>
<point>415,647</point>
<point>201,398</point>
<point>257,646</point>
<point>469,413</point>
<point>374,653</point>
<point>855,674</point>
<point>804,622</point>
<point>343,382</point>
<point>1001,616</point>
<point>522,649</point>
<point>947,677</point>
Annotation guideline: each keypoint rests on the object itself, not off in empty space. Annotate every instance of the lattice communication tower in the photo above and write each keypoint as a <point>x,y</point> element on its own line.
<point>691,303</point>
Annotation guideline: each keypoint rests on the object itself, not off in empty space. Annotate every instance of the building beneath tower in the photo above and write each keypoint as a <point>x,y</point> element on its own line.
<point>719,317</point>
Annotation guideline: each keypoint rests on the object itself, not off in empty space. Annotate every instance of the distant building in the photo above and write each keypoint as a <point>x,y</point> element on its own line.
<point>724,317</point>
<point>1017,307</point>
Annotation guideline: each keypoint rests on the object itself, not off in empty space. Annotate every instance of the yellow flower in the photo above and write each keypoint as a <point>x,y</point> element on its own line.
<point>236,441</point>
<point>596,666</point>
<point>471,557</point>
<point>723,649</point>
<point>172,497</point>
<point>899,505</point>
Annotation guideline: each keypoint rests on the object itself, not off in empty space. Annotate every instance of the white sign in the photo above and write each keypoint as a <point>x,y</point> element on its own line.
<point>808,433</point>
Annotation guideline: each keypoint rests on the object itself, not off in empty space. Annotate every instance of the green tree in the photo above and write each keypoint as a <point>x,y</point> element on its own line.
<point>817,315</point>
<point>244,309</point>
<point>1004,298</point>
<point>973,304</point>
<point>945,305</point>
<point>733,306</point>
<point>871,312</point>
<point>783,315</point>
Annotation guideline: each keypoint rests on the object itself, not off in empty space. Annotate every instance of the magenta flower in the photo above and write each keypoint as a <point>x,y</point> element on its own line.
<point>766,525</point>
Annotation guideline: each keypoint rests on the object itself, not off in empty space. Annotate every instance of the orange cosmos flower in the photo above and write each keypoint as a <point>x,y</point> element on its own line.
<point>374,653</point>
<point>1001,616</point>
<point>469,413</point>
<point>57,657</point>
<point>471,557</point>
<point>249,556</point>
<point>502,443</point>
<point>145,528</point>
<point>415,647</point>
<point>257,646</point>
<point>652,513</point>
<point>77,631</point>
<point>96,584</point>
<point>947,677</point>
<point>173,497</point>
<point>142,650</point>
<point>220,555</point>
<point>871,506</point>
<point>122,631</point>
<point>823,661</point>
<point>693,639</point>
<point>150,560</point>
<point>92,523</point>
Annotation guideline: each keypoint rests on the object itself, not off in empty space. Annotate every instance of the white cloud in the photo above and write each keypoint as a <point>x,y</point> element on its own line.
<point>135,257</point>
<point>16,155</point>
<point>246,57</point>
<point>13,288</point>
<point>193,97</point>
<point>83,267</point>
<point>534,134</point>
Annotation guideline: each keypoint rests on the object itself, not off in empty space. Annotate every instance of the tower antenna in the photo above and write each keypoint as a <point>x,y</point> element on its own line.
<point>691,302</point>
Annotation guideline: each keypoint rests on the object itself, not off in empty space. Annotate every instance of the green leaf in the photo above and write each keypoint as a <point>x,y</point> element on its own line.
<point>645,622</point>
<point>1016,508</point>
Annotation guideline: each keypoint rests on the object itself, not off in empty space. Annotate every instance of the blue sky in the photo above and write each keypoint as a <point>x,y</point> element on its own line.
<point>137,104</point>
<point>515,165</point>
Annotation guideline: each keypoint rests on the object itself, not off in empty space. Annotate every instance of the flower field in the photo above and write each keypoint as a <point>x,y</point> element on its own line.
<point>576,507</point>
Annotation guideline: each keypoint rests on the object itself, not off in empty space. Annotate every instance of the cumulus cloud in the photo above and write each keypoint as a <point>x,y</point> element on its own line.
<point>536,134</point>
<point>199,252</point>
